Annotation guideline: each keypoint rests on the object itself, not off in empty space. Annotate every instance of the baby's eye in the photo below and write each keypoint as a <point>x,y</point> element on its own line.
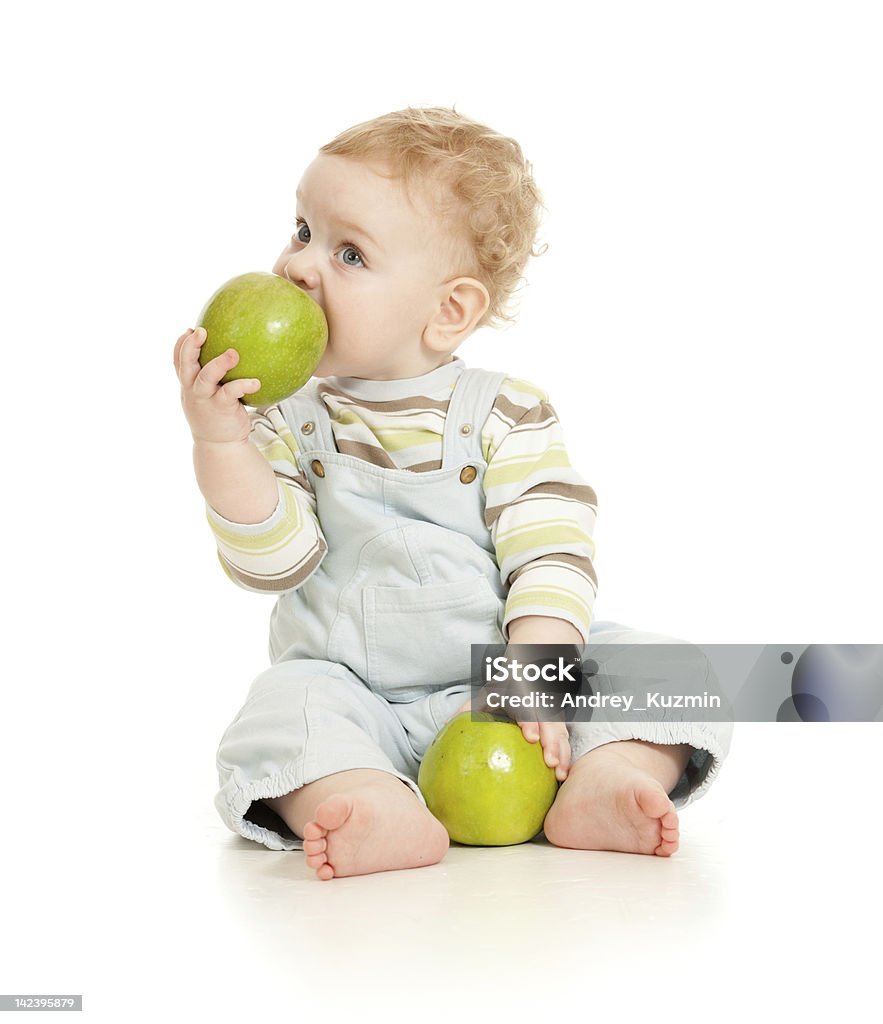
<point>352,249</point>
<point>302,232</point>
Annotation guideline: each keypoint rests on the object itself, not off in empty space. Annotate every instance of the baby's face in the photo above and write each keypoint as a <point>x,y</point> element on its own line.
<point>374,264</point>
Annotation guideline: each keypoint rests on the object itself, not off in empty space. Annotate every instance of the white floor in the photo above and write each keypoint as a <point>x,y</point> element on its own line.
<point>771,905</point>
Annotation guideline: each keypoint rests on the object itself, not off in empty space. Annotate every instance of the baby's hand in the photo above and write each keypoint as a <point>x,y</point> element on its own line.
<point>556,746</point>
<point>213,411</point>
<point>552,736</point>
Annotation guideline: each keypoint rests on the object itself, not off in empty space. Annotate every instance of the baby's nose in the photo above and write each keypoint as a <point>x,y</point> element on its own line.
<point>302,273</point>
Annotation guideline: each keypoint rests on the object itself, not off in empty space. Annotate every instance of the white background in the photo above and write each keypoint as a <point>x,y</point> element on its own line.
<point>707,321</point>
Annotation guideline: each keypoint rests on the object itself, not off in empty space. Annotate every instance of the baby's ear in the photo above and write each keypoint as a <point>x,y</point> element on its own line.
<point>462,306</point>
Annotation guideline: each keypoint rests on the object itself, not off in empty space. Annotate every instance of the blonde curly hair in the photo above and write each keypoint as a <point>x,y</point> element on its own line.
<point>478,182</point>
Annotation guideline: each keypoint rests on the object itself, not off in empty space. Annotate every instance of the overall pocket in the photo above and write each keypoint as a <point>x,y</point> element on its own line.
<point>419,638</point>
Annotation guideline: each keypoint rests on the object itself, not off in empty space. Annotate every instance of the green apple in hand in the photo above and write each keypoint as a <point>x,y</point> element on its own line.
<point>279,332</point>
<point>485,782</point>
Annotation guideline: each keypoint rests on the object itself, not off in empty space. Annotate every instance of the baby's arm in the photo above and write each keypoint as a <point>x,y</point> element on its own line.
<point>258,504</point>
<point>541,514</point>
<point>233,476</point>
<point>540,511</point>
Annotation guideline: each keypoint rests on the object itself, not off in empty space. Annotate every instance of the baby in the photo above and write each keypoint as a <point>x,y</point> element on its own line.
<point>404,507</point>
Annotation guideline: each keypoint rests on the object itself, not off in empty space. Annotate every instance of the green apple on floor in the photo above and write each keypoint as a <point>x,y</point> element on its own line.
<point>279,332</point>
<point>485,782</point>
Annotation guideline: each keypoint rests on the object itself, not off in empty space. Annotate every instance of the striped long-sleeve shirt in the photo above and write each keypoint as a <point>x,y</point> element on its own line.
<point>539,511</point>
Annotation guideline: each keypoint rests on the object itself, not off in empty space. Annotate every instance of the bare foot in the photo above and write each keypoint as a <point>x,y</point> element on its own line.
<point>610,802</point>
<point>374,828</point>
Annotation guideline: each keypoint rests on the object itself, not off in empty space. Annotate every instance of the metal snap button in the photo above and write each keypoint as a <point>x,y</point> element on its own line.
<point>466,429</point>
<point>468,474</point>
<point>307,428</point>
<point>317,467</point>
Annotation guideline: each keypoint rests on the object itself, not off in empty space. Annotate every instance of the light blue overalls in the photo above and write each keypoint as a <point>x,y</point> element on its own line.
<point>371,654</point>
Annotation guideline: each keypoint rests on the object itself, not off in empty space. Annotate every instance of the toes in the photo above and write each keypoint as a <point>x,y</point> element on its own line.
<point>313,831</point>
<point>332,813</point>
<point>654,803</point>
<point>669,820</point>
<point>313,846</point>
<point>318,861</point>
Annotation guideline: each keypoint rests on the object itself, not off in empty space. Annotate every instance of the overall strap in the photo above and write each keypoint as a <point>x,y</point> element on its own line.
<point>474,395</point>
<point>308,419</point>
